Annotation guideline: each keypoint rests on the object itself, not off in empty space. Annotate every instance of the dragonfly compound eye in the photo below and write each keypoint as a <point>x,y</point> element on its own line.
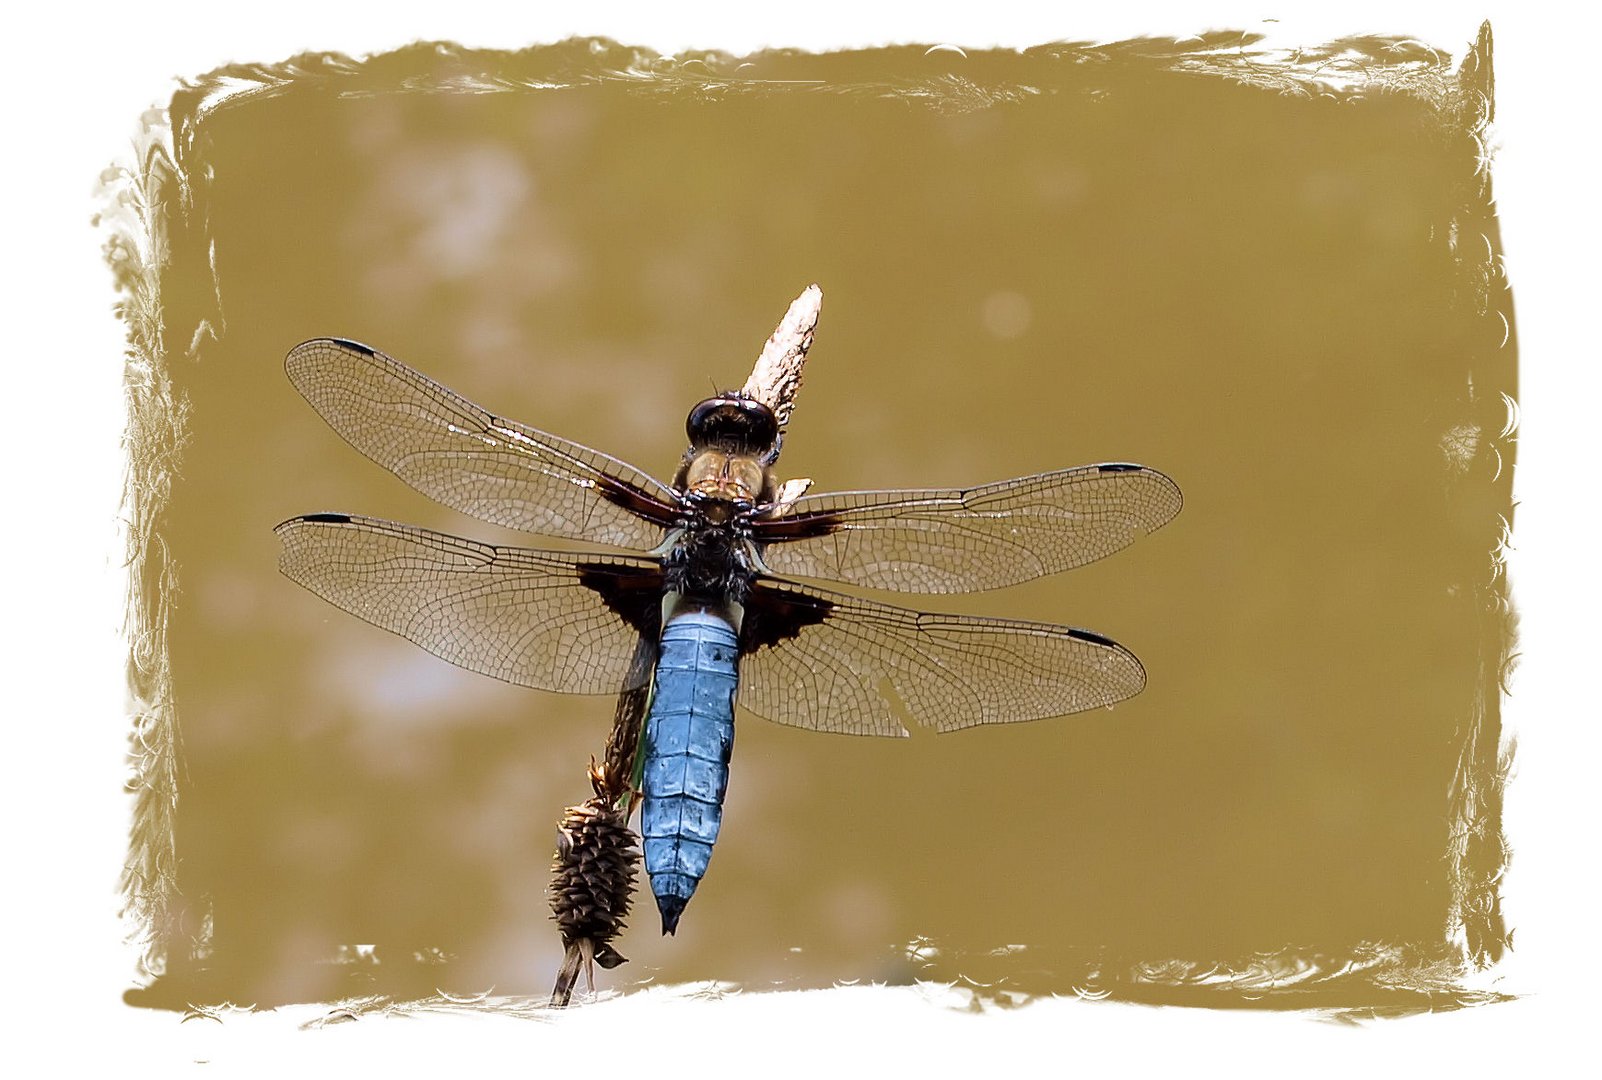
<point>737,423</point>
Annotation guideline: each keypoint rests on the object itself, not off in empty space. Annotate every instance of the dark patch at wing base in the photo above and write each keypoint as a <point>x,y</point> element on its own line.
<point>772,617</point>
<point>633,593</point>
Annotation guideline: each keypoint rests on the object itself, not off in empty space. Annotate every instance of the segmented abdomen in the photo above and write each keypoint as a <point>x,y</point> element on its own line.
<point>689,736</point>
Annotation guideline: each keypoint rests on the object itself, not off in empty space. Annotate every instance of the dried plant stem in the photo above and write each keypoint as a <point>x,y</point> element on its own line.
<point>776,376</point>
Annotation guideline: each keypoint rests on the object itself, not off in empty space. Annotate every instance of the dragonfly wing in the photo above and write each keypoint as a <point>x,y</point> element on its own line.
<point>547,619</point>
<point>471,460</point>
<point>830,662</point>
<point>969,540</point>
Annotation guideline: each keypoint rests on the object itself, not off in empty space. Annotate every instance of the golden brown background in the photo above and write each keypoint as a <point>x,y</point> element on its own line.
<point>1280,291</point>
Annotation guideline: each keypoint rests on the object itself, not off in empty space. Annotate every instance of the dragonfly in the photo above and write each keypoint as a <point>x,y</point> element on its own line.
<point>707,575</point>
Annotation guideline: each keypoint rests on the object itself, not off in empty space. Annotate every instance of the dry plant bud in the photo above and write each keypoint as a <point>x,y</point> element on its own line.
<point>592,885</point>
<point>776,376</point>
<point>789,492</point>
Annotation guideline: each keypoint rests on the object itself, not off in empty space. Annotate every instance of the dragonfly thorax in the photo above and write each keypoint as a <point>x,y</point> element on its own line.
<point>715,475</point>
<point>709,561</point>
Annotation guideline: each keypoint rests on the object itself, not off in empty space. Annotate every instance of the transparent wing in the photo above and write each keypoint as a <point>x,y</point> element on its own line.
<point>968,541</point>
<point>472,460</point>
<point>547,619</point>
<point>831,662</point>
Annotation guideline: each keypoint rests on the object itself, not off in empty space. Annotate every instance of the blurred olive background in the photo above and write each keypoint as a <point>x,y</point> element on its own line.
<point>1265,295</point>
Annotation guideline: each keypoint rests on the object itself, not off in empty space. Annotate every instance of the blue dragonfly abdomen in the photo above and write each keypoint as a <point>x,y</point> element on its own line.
<point>689,735</point>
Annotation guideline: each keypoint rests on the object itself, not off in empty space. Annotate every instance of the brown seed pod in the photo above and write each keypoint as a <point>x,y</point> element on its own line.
<point>592,884</point>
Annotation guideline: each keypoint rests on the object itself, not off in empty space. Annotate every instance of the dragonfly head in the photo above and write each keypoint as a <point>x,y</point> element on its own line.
<point>725,472</point>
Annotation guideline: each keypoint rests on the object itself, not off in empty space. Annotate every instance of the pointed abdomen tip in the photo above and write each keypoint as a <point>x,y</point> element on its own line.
<point>671,908</point>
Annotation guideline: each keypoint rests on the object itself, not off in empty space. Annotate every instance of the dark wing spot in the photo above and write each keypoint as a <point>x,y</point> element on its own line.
<point>365,350</point>
<point>1119,466</point>
<point>1094,639</point>
<point>332,519</point>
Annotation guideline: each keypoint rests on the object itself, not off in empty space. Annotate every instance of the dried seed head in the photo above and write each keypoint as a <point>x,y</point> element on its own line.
<point>592,878</point>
